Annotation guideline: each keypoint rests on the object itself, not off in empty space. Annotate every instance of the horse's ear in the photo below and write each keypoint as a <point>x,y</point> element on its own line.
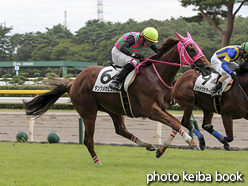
<point>189,36</point>
<point>181,38</point>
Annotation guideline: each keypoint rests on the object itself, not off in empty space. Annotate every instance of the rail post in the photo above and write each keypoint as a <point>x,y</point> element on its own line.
<point>159,130</point>
<point>193,123</point>
<point>31,130</point>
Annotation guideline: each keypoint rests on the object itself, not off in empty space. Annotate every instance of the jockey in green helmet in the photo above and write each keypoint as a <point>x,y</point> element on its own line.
<point>123,52</point>
<point>244,47</point>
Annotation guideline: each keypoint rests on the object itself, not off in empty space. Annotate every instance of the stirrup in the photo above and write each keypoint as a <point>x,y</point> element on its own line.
<point>115,85</point>
<point>216,94</point>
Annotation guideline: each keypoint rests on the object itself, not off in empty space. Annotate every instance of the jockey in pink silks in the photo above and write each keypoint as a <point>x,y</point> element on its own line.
<point>123,52</point>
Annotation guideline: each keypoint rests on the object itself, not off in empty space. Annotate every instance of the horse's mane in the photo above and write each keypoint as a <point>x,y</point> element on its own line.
<point>165,47</point>
<point>243,69</point>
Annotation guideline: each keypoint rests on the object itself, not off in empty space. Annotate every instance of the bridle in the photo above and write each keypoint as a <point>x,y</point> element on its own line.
<point>185,58</point>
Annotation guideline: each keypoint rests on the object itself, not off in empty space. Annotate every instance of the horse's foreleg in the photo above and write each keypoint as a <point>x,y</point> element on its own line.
<point>121,129</point>
<point>186,123</point>
<point>200,137</point>
<point>167,142</point>
<point>168,119</point>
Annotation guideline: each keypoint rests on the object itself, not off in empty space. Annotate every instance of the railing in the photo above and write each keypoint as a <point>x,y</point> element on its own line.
<point>19,100</point>
<point>23,91</point>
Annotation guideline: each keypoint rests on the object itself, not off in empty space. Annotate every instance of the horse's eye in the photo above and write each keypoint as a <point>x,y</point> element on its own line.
<point>192,50</point>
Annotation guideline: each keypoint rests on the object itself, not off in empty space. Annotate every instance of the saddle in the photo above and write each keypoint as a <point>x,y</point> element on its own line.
<point>106,75</point>
<point>102,85</point>
<point>207,83</point>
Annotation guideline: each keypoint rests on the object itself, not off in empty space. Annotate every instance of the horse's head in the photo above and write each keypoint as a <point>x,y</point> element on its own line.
<point>191,54</point>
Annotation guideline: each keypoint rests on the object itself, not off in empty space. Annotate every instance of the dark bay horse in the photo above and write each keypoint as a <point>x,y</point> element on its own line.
<point>234,104</point>
<point>150,94</point>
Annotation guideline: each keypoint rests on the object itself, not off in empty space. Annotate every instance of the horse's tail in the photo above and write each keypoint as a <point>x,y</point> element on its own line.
<point>40,104</point>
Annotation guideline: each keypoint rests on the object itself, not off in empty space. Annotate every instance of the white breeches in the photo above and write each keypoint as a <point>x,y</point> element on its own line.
<point>121,59</point>
<point>216,63</point>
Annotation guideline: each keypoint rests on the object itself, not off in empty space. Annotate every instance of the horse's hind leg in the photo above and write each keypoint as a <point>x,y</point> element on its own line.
<point>88,138</point>
<point>121,129</point>
<point>88,112</point>
<point>228,125</point>
<point>206,125</point>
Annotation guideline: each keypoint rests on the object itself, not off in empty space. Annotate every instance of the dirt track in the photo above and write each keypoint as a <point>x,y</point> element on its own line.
<point>66,124</point>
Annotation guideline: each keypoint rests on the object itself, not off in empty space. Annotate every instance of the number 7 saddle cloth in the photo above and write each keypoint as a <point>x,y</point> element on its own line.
<point>206,84</point>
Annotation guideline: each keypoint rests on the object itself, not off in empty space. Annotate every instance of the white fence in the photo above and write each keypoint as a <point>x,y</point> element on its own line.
<point>19,100</point>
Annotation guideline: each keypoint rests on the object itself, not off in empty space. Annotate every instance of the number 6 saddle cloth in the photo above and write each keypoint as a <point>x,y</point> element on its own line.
<point>103,80</point>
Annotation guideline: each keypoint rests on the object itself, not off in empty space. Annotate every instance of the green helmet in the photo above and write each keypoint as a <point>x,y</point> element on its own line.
<point>244,46</point>
<point>150,34</point>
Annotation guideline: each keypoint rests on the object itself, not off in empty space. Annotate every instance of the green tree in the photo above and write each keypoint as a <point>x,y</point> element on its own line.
<point>5,44</point>
<point>61,51</point>
<point>214,11</point>
<point>26,44</point>
<point>240,31</point>
<point>6,78</point>
<point>38,46</point>
<point>68,77</point>
<point>16,80</point>
<point>42,53</point>
<point>39,79</point>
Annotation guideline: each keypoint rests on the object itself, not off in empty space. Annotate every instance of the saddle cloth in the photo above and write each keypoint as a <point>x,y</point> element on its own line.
<point>106,75</point>
<point>206,84</point>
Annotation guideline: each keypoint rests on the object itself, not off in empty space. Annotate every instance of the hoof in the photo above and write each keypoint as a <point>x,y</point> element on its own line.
<point>98,163</point>
<point>202,144</point>
<point>227,147</point>
<point>202,147</point>
<point>151,147</point>
<point>194,147</point>
<point>158,153</point>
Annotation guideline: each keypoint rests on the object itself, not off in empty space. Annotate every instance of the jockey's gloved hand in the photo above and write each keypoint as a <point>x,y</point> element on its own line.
<point>234,77</point>
<point>138,56</point>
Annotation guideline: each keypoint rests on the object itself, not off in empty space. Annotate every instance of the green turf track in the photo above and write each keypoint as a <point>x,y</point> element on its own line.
<point>63,164</point>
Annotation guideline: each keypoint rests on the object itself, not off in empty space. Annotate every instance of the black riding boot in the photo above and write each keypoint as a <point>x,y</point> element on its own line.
<point>217,90</point>
<point>116,82</point>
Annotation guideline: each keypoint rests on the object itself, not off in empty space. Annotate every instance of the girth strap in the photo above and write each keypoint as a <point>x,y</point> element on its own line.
<point>126,103</point>
<point>217,105</point>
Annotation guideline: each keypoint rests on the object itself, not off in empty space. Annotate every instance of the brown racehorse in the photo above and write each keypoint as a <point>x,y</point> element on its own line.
<point>149,95</point>
<point>234,104</point>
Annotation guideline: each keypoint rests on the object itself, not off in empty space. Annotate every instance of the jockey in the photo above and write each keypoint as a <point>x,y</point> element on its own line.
<point>123,52</point>
<point>221,58</point>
